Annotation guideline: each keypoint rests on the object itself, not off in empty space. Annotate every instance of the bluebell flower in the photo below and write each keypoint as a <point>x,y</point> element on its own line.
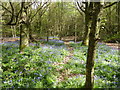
<point>82,61</point>
<point>16,71</point>
<point>36,74</point>
<point>114,76</point>
<point>40,75</point>
<point>76,76</point>
<point>10,81</point>
<point>20,80</point>
<point>51,47</point>
<point>20,72</point>
<point>45,47</point>
<point>48,62</point>
<point>51,52</point>
<point>33,81</point>
<point>32,44</point>
<point>14,60</point>
<point>49,67</point>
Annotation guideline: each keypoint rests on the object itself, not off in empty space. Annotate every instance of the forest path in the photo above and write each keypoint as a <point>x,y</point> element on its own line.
<point>114,45</point>
<point>65,72</point>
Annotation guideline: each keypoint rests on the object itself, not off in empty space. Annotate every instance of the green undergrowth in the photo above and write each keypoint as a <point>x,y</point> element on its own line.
<point>107,68</point>
<point>34,68</point>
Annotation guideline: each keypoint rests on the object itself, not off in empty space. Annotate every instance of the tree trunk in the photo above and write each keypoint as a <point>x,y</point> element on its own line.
<point>87,31</point>
<point>15,31</point>
<point>92,46</point>
<point>12,30</point>
<point>47,36</point>
<point>24,37</point>
<point>75,39</point>
<point>118,16</point>
<point>109,22</point>
<point>24,29</point>
<point>87,25</point>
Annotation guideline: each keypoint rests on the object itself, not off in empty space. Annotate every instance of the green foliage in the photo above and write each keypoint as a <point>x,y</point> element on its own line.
<point>34,68</point>
<point>73,82</point>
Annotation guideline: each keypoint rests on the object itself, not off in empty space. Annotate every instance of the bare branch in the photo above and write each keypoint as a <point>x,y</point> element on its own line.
<point>22,6</point>
<point>12,17</point>
<point>38,10</point>
<point>80,7</point>
<point>110,5</point>
<point>79,11</point>
<point>5,8</point>
<point>45,8</point>
<point>29,5</point>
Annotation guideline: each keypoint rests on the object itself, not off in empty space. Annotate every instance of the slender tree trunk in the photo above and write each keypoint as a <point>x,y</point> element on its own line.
<point>24,37</point>
<point>87,30</point>
<point>14,31</point>
<point>109,22</point>
<point>47,36</point>
<point>30,35</point>
<point>87,25</point>
<point>118,16</point>
<point>92,46</point>
<point>24,29</point>
<point>75,33</point>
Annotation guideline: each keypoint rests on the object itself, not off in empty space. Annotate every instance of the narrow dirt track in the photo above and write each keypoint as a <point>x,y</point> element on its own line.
<point>114,45</point>
<point>66,72</point>
<point>2,40</point>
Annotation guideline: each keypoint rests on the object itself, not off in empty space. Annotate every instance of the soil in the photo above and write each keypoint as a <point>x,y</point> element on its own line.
<point>114,45</point>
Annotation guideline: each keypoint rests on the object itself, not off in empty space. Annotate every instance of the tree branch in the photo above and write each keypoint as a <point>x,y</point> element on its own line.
<point>12,17</point>
<point>29,5</point>
<point>22,6</point>
<point>110,5</point>
<point>43,11</point>
<point>5,8</point>
<point>38,10</point>
<point>80,7</point>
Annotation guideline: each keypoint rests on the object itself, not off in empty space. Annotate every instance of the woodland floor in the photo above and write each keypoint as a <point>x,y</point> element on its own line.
<point>113,45</point>
<point>64,66</point>
<point>66,59</point>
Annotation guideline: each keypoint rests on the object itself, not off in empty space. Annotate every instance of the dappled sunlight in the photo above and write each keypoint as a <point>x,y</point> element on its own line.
<point>61,66</point>
<point>60,44</point>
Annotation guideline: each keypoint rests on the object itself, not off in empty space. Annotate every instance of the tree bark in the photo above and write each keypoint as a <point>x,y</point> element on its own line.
<point>75,39</point>
<point>48,36</point>
<point>118,16</point>
<point>87,31</point>
<point>96,6</point>
<point>87,25</point>
<point>24,29</point>
<point>24,37</point>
